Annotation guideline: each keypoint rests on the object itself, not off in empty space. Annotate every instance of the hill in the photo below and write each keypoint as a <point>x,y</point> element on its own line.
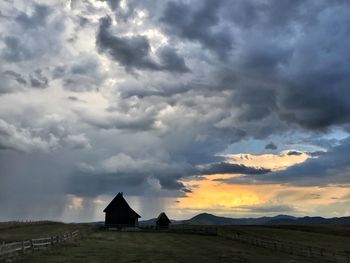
<point>210,219</point>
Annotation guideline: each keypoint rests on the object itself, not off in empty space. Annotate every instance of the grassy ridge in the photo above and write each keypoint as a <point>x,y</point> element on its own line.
<point>16,231</point>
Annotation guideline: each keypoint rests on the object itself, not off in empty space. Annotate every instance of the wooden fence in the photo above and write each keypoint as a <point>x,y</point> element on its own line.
<point>194,229</point>
<point>322,254</point>
<point>11,250</point>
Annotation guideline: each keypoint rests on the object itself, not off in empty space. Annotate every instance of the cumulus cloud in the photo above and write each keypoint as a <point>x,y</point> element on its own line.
<point>21,139</point>
<point>78,141</point>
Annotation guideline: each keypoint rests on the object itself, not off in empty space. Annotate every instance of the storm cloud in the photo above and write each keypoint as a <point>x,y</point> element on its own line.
<point>142,96</point>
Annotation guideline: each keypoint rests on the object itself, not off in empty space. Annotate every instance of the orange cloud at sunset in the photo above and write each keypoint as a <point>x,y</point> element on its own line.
<point>213,194</point>
<point>271,161</point>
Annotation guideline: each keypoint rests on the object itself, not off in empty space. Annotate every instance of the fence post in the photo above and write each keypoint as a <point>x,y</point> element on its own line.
<point>23,249</point>
<point>52,241</point>
<point>32,244</point>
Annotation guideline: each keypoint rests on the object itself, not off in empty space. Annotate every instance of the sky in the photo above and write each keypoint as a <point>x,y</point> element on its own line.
<point>237,108</point>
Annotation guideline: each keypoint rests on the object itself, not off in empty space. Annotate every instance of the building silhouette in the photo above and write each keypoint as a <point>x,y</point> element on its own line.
<point>162,221</point>
<point>119,214</point>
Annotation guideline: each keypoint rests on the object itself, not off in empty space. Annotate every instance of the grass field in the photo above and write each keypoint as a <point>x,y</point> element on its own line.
<point>157,247</point>
<point>96,245</point>
<point>336,237</point>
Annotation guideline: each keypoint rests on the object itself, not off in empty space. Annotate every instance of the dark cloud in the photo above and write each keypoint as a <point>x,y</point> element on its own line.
<point>15,82</point>
<point>275,78</point>
<point>168,182</point>
<point>139,121</point>
<point>31,35</point>
<point>83,21</point>
<point>198,23</point>
<point>38,80</point>
<point>316,153</point>
<point>131,52</point>
<point>135,52</point>
<point>294,153</point>
<point>38,18</point>
<point>271,146</point>
<point>84,74</point>
<point>73,98</point>
<point>14,50</point>
<point>18,77</point>
<point>93,184</point>
<point>273,14</point>
<point>136,174</point>
<point>171,61</point>
<point>229,168</point>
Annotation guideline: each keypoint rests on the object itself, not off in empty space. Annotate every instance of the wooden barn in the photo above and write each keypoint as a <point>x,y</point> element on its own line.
<point>162,221</point>
<point>119,214</point>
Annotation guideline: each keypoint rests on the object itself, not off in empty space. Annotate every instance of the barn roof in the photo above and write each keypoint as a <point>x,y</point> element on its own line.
<point>163,216</point>
<point>119,205</point>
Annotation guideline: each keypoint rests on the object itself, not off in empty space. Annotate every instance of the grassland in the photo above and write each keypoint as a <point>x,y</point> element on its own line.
<point>96,245</point>
<point>335,237</point>
<point>157,247</point>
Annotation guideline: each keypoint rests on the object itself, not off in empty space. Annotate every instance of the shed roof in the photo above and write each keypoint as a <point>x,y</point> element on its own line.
<point>163,216</point>
<point>119,205</point>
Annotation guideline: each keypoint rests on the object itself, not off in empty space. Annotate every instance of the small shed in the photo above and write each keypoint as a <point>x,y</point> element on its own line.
<point>119,214</point>
<point>162,221</point>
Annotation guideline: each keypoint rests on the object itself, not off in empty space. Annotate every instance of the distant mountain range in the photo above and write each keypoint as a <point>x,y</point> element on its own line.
<point>209,219</point>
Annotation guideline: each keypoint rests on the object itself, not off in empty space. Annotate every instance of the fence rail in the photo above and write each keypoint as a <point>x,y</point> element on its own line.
<point>13,249</point>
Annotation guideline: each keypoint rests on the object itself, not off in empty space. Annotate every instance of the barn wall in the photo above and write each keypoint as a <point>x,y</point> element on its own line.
<point>120,219</point>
